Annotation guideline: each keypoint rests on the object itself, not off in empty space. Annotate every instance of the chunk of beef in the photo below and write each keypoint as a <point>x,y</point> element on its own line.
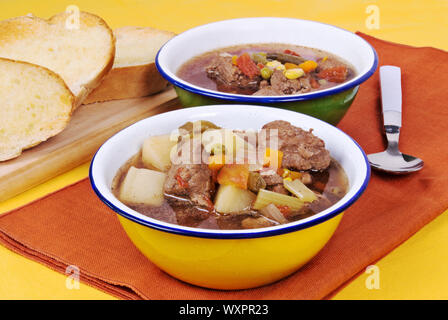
<point>189,215</point>
<point>279,188</point>
<point>190,181</point>
<point>264,84</point>
<point>229,77</point>
<point>274,182</point>
<point>302,150</point>
<point>271,177</point>
<point>305,85</point>
<point>282,84</point>
<point>268,91</point>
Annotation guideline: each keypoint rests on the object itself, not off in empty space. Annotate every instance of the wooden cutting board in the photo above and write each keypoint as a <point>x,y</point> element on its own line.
<point>90,126</point>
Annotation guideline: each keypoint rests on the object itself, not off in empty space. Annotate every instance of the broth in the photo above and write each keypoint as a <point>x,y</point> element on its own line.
<point>195,72</point>
<point>328,185</point>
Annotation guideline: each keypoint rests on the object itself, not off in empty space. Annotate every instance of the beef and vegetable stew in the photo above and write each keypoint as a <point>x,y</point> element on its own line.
<point>266,70</point>
<point>208,177</point>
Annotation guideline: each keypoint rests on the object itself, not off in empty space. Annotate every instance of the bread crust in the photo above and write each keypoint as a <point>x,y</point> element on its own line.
<point>131,81</point>
<point>57,78</point>
<point>128,82</point>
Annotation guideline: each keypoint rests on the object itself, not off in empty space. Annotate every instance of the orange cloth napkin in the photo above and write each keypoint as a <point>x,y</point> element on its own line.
<point>73,227</point>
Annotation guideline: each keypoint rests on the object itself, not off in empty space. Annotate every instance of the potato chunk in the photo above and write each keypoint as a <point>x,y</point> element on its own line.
<point>156,152</point>
<point>142,186</point>
<point>231,199</point>
<point>234,145</point>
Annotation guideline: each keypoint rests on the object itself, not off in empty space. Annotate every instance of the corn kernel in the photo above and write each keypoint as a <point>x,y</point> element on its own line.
<point>295,175</point>
<point>324,59</point>
<point>288,179</point>
<point>273,64</point>
<point>234,58</point>
<point>294,73</point>
<point>281,68</point>
<point>285,173</point>
<point>266,73</point>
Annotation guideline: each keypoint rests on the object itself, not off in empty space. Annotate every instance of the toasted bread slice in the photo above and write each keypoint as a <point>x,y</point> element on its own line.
<point>35,104</point>
<point>134,73</point>
<point>81,53</point>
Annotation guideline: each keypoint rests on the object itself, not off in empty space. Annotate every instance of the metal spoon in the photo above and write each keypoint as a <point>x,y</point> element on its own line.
<point>392,160</point>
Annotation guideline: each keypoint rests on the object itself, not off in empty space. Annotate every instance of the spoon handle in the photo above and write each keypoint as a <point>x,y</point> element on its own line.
<point>390,79</point>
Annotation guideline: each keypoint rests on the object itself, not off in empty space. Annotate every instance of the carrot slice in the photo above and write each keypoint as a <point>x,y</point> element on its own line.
<point>234,174</point>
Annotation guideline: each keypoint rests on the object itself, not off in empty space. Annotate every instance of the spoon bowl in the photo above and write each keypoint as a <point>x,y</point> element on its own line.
<point>398,163</point>
<point>392,160</point>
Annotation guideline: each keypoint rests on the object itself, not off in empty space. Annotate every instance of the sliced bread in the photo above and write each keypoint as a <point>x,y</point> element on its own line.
<point>35,104</point>
<point>134,73</point>
<point>81,54</point>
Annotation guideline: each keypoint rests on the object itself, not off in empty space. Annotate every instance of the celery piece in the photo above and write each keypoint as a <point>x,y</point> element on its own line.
<point>231,199</point>
<point>301,191</point>
<point>266,197</point>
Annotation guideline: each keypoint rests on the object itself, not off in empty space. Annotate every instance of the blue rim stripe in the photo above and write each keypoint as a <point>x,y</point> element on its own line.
<point>262,99</point>
<point>239,234</point>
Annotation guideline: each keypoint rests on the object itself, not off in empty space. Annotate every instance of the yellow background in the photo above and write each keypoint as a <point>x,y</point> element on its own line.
<point>415,270</point>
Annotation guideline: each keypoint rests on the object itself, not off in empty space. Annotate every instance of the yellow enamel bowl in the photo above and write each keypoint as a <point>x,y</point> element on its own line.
<point>228,259</point>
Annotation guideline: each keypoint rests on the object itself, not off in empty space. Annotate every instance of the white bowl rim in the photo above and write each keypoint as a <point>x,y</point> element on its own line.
<point>240,98</point>
<point>315,219</point>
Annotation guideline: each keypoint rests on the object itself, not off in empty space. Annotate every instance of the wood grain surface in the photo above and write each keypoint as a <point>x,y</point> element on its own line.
<point>90,126</point>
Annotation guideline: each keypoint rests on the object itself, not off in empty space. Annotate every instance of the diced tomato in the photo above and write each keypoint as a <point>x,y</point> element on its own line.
<point>335,74</point>
<point>260,65</point>
<point>247,66</point>
<point>234,174</point>
<point>314,83</point>
<point>287,51</point>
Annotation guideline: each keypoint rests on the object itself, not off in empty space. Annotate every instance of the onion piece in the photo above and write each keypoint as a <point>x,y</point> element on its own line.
<point>273,213</point>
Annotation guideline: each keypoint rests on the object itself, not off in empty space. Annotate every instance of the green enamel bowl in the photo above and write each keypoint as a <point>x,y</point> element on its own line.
<point>329,105</point>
